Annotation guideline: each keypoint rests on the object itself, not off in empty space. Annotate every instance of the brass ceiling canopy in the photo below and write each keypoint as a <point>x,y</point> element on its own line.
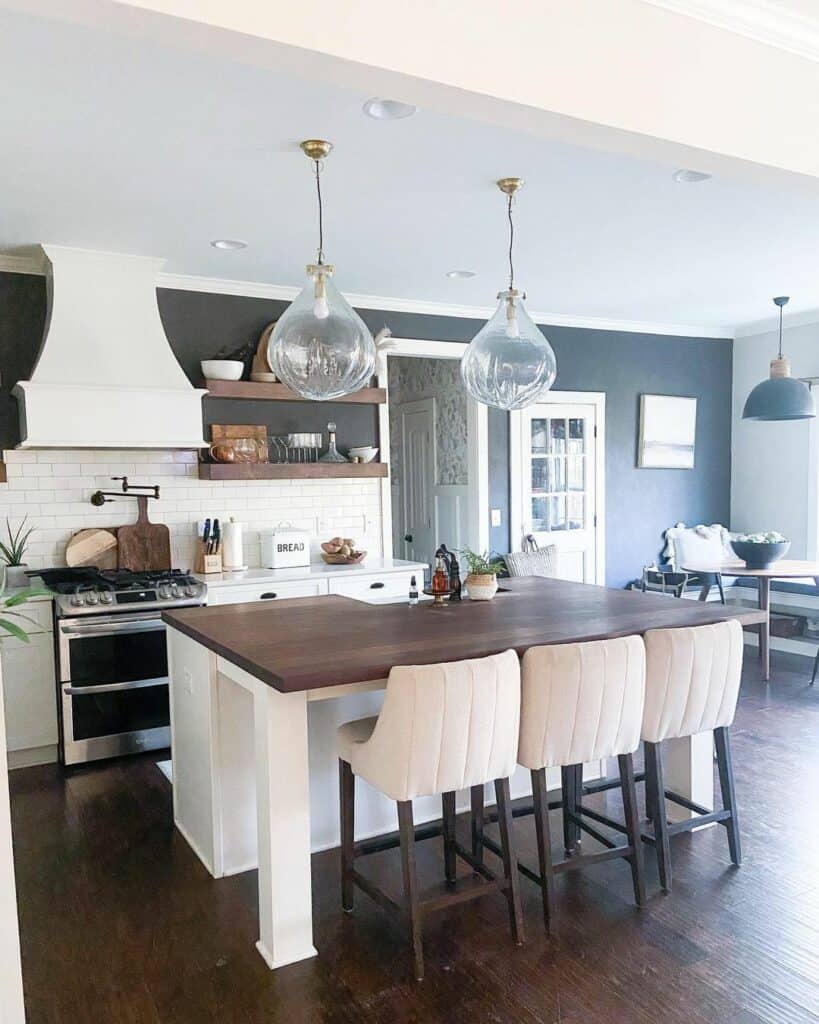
<point>510,185</point>
<point>316,149</point>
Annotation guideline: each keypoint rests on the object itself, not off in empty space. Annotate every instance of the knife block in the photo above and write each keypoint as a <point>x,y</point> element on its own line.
<point>205,563</point>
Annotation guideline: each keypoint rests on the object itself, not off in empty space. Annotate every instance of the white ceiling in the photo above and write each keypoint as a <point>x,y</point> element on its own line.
<point>114,142</point>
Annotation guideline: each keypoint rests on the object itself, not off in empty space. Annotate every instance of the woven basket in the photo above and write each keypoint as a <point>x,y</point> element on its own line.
<point>533,560</point>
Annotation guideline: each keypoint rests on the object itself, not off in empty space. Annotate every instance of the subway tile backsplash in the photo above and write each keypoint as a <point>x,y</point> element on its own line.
<point>53,487</point>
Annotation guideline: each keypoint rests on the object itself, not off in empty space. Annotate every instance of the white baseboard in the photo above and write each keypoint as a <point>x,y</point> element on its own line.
<point>32,756</point>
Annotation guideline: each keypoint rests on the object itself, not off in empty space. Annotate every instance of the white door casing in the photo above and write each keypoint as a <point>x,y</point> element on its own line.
<point>417,441</point>
<point>557,469</point>
<point>476,494</point>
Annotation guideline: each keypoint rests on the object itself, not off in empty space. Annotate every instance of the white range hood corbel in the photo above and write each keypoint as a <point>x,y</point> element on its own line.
<point>106,376</point>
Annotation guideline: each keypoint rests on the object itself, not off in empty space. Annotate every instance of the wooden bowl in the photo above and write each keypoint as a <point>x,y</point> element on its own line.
<point>344,559</point>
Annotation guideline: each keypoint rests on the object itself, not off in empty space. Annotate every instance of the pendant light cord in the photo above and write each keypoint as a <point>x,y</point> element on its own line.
<point>320,214</point>
<point>780,332</point>
<point>511,243</point>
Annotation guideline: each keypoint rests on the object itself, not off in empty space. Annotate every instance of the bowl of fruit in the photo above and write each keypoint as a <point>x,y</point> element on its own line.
<point>341,551</point>
<point>760,550</point>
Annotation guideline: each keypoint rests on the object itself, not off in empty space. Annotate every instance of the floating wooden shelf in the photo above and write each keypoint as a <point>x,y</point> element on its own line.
<point>281,393</point>
<point>290,470</point>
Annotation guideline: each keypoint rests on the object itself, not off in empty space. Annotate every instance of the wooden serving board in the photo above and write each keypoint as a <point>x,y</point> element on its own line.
<point>92,547</point>
<point>145,545</point>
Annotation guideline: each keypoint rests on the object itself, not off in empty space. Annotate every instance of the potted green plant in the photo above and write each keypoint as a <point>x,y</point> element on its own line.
<point>10,605</point>
<point>14,552</point>
<point>482,581</point>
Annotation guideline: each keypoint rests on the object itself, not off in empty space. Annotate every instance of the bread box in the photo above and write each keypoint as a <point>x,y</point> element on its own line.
<point>284,548</point>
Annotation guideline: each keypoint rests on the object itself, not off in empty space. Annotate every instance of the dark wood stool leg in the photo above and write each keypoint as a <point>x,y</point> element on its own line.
<point>346,786</point>
<point>651,797</point>
<point>720,587</point>
<point>654,769</point>
<point>448,831</point>
<point>476,797</point>
<point>571,795</point>
<point>729,798</point>
<point>626,764</point>
<point>407,835</point>
<point>815,667</point>
<point>510,861</point>
<point>544,845</point>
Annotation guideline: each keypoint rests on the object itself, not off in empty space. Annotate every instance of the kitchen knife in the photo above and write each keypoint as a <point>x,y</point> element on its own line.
<point>206,535</point>
<point>216,537</point>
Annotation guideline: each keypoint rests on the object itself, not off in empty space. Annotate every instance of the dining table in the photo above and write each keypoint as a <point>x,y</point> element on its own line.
<point>786,569</point>
<point>243,678</point>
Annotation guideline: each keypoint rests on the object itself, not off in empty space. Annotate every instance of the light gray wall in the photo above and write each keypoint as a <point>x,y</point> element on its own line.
<point>775,470</point>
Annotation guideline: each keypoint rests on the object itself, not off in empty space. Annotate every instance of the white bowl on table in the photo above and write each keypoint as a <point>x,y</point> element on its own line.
<point>364,452</point>
<point>222,369</point>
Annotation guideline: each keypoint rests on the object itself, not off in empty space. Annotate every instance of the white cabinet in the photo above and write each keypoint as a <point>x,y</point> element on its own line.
<point>267,591</point>
<point>385,584</point>
<point>29,685</point>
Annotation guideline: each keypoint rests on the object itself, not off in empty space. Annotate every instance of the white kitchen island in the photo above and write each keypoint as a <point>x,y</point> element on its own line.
<point>258,689</point>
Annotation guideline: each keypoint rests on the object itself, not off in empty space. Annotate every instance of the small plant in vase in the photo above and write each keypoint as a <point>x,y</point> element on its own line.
<point>482,580</point>
<point>13,554</point>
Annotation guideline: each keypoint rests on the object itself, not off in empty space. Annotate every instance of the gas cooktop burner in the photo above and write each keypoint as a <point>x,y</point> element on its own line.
<point>83,591</point>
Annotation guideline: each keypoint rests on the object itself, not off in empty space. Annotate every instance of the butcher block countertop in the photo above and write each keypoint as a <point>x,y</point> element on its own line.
<point>314,642</point>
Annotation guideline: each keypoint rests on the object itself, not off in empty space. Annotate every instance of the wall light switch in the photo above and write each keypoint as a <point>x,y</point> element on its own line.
<point>495,517</point>
<point>187,680</point>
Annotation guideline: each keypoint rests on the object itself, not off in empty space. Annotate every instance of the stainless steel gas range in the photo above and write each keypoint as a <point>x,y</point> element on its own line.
<point>111,656</point>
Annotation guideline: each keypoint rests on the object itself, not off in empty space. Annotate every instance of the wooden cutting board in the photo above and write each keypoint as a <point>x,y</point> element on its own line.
<point>145,545</point>
<point>92,547</point>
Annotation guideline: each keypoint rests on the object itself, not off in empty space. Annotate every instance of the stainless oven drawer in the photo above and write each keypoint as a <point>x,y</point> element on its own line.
<point>112,650</point>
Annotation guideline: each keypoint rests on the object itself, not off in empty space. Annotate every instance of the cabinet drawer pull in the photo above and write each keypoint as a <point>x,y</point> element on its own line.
<point>376,586</point>
<point>268,595</point>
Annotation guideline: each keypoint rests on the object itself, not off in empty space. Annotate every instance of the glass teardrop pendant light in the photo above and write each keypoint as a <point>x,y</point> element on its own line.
<point>509,364</point>
<point>781,397</point>
<point>320,347</point>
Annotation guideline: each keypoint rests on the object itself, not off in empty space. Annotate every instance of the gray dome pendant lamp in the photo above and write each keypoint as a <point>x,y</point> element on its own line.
<point>781,397</point>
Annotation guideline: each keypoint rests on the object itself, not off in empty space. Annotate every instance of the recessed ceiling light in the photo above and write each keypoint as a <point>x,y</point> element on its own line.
<point>228,243</point>
<point>689,177</point>
<point>460,275</point>
<point>388,110</point>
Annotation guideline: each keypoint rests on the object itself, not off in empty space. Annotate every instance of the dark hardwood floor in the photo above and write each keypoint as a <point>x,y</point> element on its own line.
<point>121,924</point>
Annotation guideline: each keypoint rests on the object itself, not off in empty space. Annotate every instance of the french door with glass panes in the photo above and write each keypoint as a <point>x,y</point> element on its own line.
<point>556,472</point>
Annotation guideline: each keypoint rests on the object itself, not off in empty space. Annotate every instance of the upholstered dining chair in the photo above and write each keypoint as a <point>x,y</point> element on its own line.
<point>442,728</point>
<point>692,686</point>
<point>581,702</point>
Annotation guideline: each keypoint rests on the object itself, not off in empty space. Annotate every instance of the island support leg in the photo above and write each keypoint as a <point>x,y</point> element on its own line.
<point>283,813</point>
<point>688,765</point>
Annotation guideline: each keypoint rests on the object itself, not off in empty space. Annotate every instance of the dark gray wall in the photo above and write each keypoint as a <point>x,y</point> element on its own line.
<point>640,503</point>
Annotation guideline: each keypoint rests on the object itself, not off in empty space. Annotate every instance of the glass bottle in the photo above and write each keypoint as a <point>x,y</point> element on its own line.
<point>440,578</point>
<point>332,454</point>
<point>413,592</point>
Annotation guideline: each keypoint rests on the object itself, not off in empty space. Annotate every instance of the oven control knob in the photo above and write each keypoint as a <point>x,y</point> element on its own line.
<point>78,600</point>
<point>164,592</point>
<point>190,591</point>
<point>92,597</point>
<point>106,597</point>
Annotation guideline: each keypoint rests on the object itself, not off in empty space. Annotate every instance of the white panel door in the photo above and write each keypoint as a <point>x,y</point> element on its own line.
<point>558,478</point>
<point>418,482</point>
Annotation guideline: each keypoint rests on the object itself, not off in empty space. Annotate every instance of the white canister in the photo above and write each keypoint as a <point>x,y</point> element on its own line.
<point>285,547</point>
<point>232,552</point>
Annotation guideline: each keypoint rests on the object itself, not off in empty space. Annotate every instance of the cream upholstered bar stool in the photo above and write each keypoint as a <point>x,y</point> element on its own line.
<point>441,728</point>
<point>579,703</point>
<point>692,686</point>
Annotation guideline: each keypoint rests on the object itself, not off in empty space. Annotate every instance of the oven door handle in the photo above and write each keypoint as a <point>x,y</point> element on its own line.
<point>136,684</point>
<point>103,628</point>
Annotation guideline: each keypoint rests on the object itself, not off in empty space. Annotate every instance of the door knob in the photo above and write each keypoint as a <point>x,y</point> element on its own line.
<point>408,538</point>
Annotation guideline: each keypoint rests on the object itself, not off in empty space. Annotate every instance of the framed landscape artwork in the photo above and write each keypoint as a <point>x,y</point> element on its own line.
<point>668,427</point>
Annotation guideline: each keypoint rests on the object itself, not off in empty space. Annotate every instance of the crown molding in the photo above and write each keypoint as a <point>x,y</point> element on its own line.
<point>23,264</point>
<point>286,293</point>
<point>760,20</point>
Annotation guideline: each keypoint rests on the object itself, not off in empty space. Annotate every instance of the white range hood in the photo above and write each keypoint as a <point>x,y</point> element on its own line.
<point>106,376</point>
